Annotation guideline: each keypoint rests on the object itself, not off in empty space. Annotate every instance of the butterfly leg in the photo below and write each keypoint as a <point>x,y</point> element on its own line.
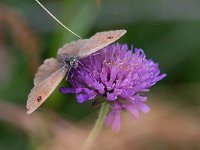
<point>95,54</point>
<point>80,63</point>
<point>72,76</point>
<point>67,74</point>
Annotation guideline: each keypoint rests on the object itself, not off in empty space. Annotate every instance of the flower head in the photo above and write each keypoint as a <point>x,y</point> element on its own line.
<point>119,76</point>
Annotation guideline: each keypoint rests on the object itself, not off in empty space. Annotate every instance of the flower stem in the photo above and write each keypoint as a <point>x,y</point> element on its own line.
<point>97,127</point>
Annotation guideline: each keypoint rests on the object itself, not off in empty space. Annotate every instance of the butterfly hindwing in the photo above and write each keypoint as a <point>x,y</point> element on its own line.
<point>46,69</point>
<point>42,90</point>
<point>72,49</point>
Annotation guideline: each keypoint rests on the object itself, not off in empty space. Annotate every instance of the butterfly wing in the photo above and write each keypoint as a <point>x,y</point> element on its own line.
<point>99,41</point>
<point>46,69</point>
<point>72,49</point>
<point>49,75</point>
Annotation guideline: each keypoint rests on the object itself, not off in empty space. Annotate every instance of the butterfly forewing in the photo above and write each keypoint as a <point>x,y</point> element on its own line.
<point>85,47</point>
<point>42,90</point>
<point>99,41</point>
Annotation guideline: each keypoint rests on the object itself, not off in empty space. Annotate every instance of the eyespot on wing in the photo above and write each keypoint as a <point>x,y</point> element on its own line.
<point>41,91</point>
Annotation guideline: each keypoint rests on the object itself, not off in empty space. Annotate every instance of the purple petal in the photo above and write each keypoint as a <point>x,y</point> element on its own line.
<point>143,107</point>
<point>66,90</point>
<point>111,96</point>
<point>137,98</point>
<point>85,94</point>
<point>82,98</point>
<point>116,124</point>
<point>134,111</point>
<point>109,119</point>
<point>114,119</point>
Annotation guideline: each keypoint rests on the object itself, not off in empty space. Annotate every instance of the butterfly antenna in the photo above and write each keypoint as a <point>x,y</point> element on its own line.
<point>57,19</point>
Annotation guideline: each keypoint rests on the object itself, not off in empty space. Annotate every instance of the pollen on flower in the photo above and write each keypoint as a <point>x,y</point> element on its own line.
<point>118,76</point>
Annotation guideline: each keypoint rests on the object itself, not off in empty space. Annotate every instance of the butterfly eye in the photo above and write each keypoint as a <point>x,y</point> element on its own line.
<point>109,37</point>
<point>39,98</point>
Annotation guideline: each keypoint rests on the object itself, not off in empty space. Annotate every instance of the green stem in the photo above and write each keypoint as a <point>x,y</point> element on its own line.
<point>97,127</point>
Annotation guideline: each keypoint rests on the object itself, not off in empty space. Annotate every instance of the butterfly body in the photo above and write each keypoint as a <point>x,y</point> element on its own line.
<point>53,70</point>
<point>72,62</point>
<point>69,61</point>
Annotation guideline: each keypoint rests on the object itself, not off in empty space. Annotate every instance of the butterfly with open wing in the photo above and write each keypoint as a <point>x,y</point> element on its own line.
<point>53,70</point>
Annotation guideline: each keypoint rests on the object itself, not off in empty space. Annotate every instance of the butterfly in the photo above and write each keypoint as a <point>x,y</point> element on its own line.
<point>53,70</point>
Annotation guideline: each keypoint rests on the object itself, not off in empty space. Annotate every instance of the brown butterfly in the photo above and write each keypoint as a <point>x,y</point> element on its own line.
<point>53,70</point>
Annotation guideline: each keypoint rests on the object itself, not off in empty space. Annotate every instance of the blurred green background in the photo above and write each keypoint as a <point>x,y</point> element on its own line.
<point>167,30</point>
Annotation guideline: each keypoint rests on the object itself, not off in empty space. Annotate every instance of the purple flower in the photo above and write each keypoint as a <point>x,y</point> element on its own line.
<point>119,76</point>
